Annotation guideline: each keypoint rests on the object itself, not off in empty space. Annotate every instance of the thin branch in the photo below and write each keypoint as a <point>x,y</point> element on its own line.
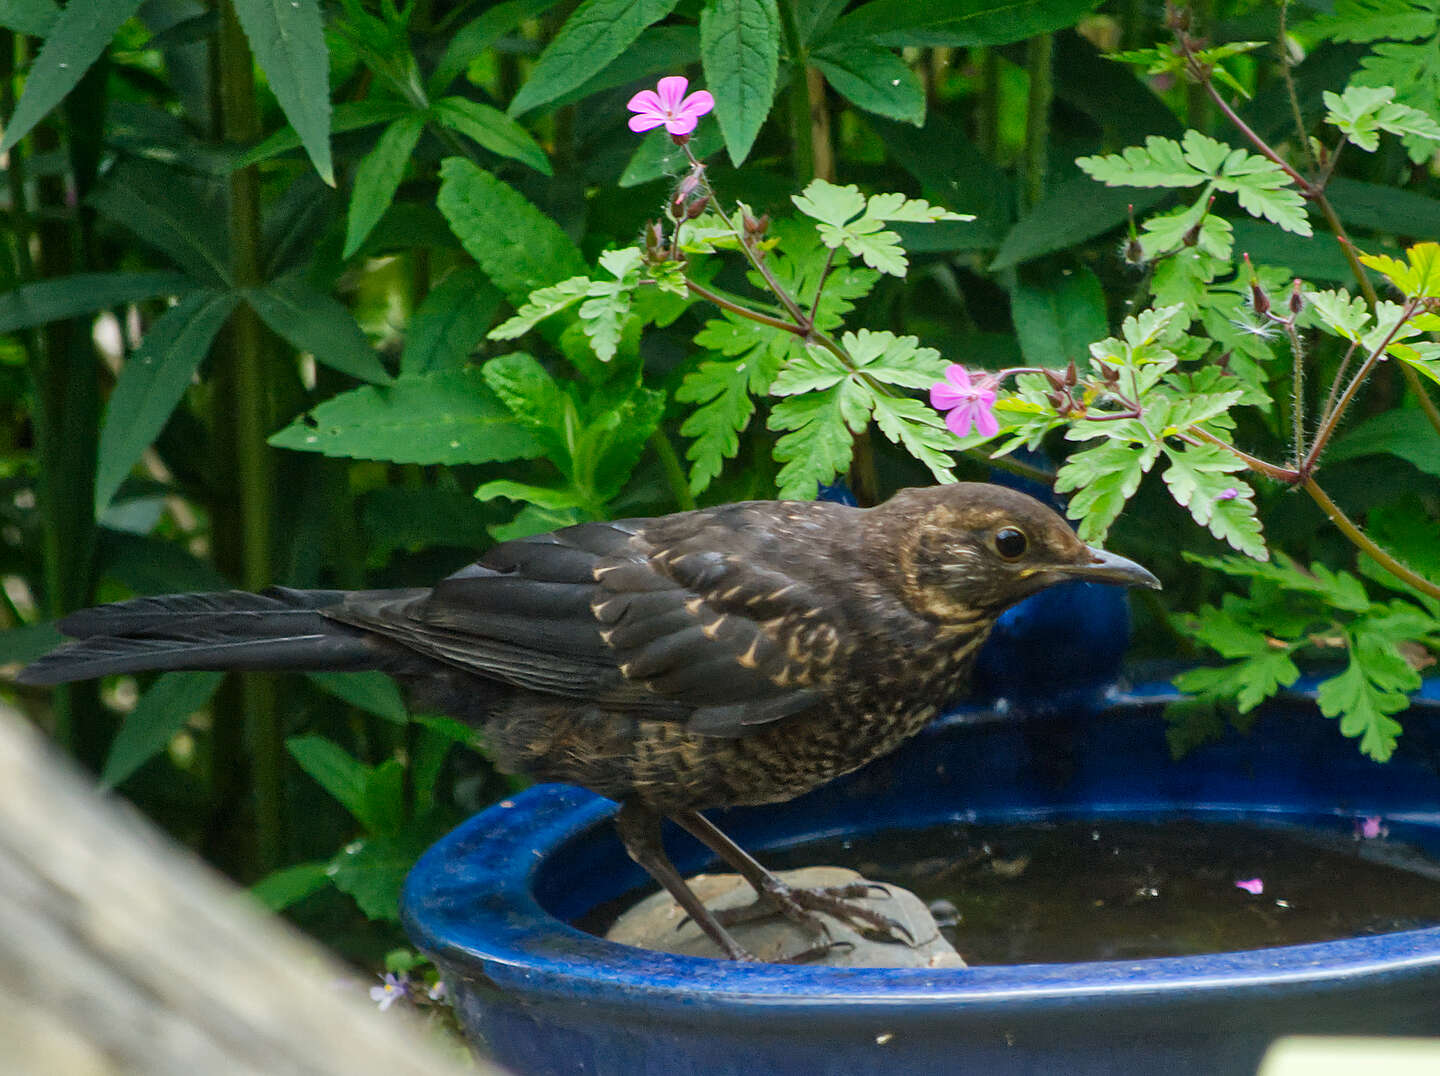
<point>1361,541</point>
<point>1288,475</point>
<point>1289,78</point>
<point>1339,377</point>
<point>744,311</point>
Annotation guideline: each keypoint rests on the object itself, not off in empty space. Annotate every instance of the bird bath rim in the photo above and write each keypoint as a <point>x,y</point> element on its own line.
<point>471,902</point>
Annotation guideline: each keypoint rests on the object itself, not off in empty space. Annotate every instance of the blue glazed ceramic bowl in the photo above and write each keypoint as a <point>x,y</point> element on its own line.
<point>493,900</point>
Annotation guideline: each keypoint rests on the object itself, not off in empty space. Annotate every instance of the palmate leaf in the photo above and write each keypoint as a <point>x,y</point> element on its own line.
<point>1372,687</point>
<point>1249,681</point>
<point>1103,478</point>
<point>920,431</point>
<point>1202,479</point>
<point>822,428</point>
<point>1261,186</point>
<point>847,218</point>
<point>723,390</point>
<point>1416,277</point>
<point>1362,112</point>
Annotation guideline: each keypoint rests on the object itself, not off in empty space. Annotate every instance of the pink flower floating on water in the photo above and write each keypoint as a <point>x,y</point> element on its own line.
<point>1253,886</point>
<point>667,105</point>
<point>1371,828</point>
<point>968,403</point>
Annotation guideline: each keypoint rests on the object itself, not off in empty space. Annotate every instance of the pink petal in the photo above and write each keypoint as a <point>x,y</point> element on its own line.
<point>959,421</point>
<point>646,101</point>
<point>957,375</point>
<point>985,420</point>
<point>697,104</point>
<point>681,125</point>
<point>1253,886</point>
<point>944,396</point>
<point>672,90</point>
<point>645,122</point>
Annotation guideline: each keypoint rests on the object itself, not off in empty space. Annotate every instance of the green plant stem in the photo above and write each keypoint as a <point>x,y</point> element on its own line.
<point>1281,42</point>
<point>741,309</point>
<point>1361,541</point>
<point>674,472</point>
<point>1039,56</point>
<point>801,149</point>
<point>249,412</point>
<point>1328,424</point>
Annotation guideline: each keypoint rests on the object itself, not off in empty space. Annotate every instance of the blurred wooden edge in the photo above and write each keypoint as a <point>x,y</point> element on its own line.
<point>1319,1055</point>
<point>122,953</point>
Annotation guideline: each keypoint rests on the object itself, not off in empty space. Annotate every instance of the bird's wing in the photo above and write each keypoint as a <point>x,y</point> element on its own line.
<point>640,616</point>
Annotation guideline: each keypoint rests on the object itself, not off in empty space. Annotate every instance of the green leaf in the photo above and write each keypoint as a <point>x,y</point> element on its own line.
<point>24,644</point>
<point>543,303</point>
<point>1073,212</point>
<point>1104,478</point>
<point>479,34</point>
<point>34,17</point>
<point>493,130</point>
<point>659,156</point>
<point>170,211</point>
<point>1340,590</point>
<point>1404,433</point>
<point>597,32</point>
<point>152,382</point>
<point>1363,704</point>
<point>822,429</point>
<point>77,37</point>
<point>873,78</point>
<point>347,116</point>
<point>1371,20</point>
<point>1249,682</point>
<point>519,247</point>
<point>313,321</point>
<point>536,400</point>
<point>378,178</point>
<point>373,870</point>
<point>740,51</point>
<point>552,497</point>
<point>334,769</point>
<point>847,218</point>
<point>290,885</point>
<point>1362,112</point>
<point>1202,479</point>
<point>45,301</point>
<point>612,442</point>
<point>1416,277</point>
<point>446,417</point>
<point>1057,321</point>
<point>1159,163</point>
<point>385,798</point>
<point>288,40</point>
<point>1338,313</point>
<point>159,714</point>
<point>450,323</point>
<point>922,433</point>
<point>956,23</point>
<point>371,691</point>
<point>723,389</point>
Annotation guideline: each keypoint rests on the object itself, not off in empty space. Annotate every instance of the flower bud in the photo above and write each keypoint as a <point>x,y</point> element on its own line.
<point>1258,299</point>
<point>696,206</point>
<point>1072,375</point>
<point>1297,299</point>
<point>756,228</point>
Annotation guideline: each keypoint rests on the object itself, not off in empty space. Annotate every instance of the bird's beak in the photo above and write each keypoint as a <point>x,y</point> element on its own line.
<point>1110,568</point>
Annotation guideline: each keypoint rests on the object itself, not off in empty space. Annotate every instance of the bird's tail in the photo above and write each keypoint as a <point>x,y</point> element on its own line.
<point>277,629</point>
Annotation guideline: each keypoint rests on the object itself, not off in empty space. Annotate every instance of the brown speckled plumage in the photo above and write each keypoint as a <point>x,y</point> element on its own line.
<point>734,655</point>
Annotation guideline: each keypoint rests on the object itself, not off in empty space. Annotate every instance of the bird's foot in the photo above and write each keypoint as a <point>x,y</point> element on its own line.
<point>801,905</point>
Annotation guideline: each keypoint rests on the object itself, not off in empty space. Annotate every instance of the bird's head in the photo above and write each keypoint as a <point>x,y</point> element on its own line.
<point>971,549</point>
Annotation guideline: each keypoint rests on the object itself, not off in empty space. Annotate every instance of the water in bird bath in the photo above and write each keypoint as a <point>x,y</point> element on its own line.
<point>1120,889</point>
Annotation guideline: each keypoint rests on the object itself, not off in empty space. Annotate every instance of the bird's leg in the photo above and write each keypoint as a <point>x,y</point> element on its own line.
<point>639,829</point>
<point>794,903</point>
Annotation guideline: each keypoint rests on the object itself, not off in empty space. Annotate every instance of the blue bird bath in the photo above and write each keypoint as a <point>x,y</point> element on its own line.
<point>492,904</point>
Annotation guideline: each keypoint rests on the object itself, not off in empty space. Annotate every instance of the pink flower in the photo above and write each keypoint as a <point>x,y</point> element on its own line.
<point>1253,886</point>
<point>667,106</point>
<point>968,403</point>
<point>1370,828</point>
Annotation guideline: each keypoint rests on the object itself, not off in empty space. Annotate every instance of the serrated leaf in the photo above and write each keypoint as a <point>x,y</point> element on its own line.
<point>848,219</point>
<point>821,433</point>
<point>1363,707</point>
<point>740,52</point>
<point>1202,479</point>
<point>874,79</point>
<point>492,129</point>
<point>597,32</point>
<point>315,322</point>
<point>723,389</point>
<point>288,40</point>
<point>159,714</point>
<point>479,34</point>
<point>816,369</point>
<point>536,400</point>
<point>378,178</point>
<point>920,431</point>
<point>1337,313</point>
<point>1159,163</point>
<point>551,497</point>
<point>1103,478</point>
<point>76,39</point>
<point>152,382</point>
<point>1362,112</point>
<point>543,303</point>
<point>445,417</point>
<point>450,323</point>
<point>519,247</point>
<point>1416,277</point>
<point>1249,682</point>
<point>894,360</point>
<point>956,23</point>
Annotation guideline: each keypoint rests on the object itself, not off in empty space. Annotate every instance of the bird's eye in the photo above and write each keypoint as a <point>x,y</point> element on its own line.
<point>1011,543</point>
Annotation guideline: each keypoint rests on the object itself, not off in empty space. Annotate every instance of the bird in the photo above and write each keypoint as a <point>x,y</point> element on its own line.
<point>741,654</point>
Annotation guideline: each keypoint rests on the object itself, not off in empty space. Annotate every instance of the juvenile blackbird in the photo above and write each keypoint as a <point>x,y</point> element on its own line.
<point>734,655</point>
